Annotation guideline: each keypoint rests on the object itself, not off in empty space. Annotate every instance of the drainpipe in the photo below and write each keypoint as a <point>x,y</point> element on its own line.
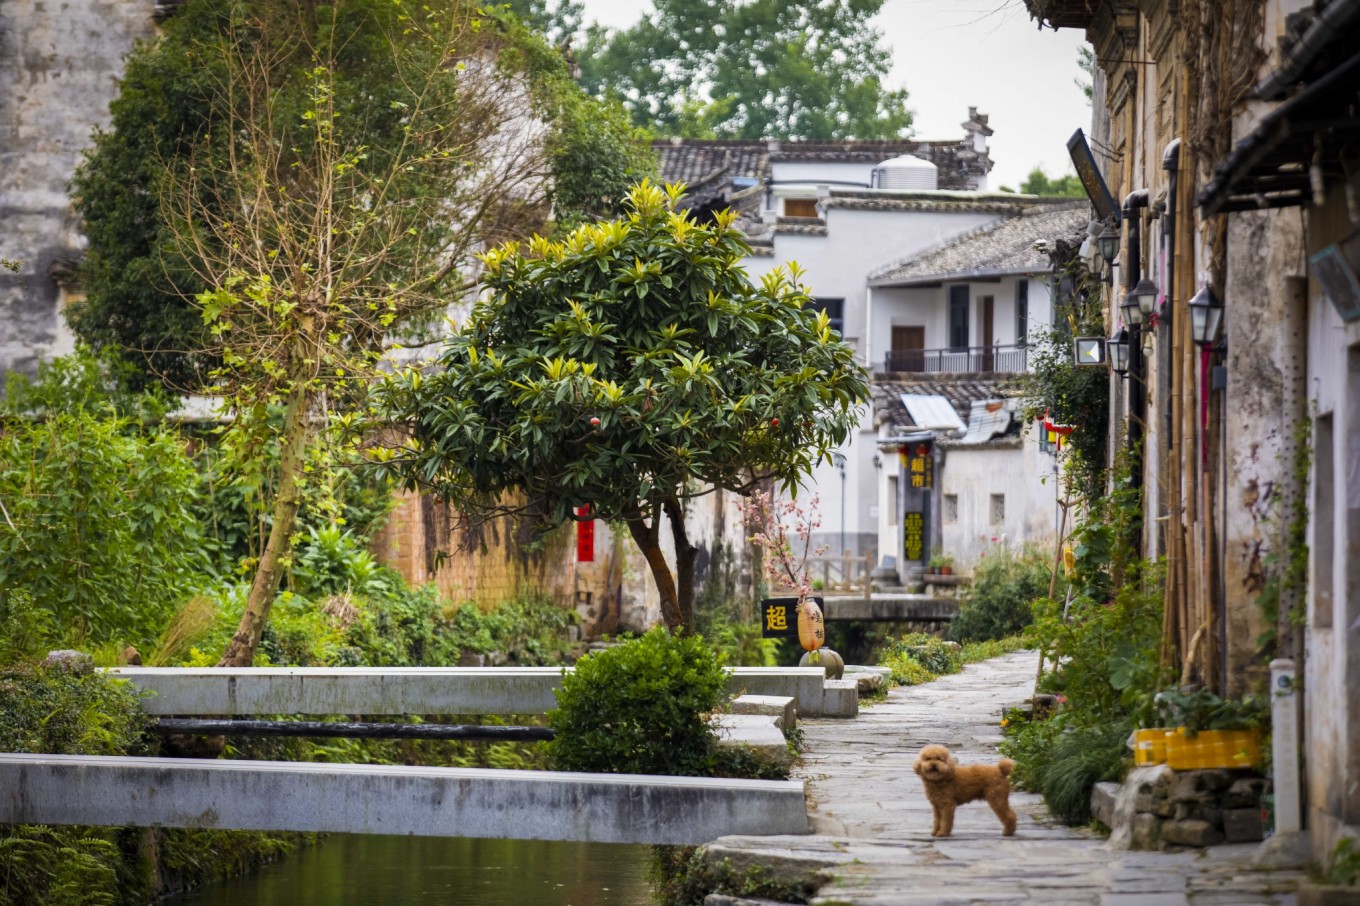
<point>1133,272</point>
<point>1171,159</point>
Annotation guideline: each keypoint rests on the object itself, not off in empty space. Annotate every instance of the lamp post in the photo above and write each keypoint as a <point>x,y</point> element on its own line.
<point>1107,243</point>
<point>1119,352</point>
<point>1206,317</point>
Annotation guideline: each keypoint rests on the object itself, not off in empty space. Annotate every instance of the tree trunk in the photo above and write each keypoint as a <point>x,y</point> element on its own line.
<point>241,651</point>
<point>648,541</point>
<point>685,556</point>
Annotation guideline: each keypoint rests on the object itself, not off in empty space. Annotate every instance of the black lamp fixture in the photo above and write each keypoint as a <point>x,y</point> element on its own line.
<point>1119,352</point>
<point>1206,317</point>
<point>1108,243</point>
<point>1146,295</point>
<point>1133,313</point>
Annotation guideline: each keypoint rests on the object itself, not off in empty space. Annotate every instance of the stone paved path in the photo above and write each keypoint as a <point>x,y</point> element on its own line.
<point>871,821</point>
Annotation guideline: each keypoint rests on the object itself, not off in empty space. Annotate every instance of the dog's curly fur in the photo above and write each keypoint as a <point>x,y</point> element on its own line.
<point>949,785</point>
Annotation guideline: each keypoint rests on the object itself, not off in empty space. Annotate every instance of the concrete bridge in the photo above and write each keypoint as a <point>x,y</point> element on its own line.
<point>385,799</point>
<point>381,799</point>
<point>429,690</point>
<point>887,607</point>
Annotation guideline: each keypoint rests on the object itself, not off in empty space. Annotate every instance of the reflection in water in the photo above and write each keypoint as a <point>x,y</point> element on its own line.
<point>351,870</point>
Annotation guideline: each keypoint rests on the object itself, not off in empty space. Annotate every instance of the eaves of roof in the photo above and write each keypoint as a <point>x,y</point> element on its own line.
<point>979,273</point>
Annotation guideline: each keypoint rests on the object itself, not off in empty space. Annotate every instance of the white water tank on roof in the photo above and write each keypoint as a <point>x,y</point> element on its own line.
<point>906,172</point>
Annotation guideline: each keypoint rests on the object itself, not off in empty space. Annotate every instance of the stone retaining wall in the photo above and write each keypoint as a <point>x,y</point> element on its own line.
<point>1158,808</point>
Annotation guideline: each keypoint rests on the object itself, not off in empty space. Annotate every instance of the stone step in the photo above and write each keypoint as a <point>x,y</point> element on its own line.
<point>782,707</point>
<point>760,732</point>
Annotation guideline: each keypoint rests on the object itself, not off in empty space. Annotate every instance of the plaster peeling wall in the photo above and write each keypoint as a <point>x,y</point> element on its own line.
<point>1263,249</point>
<point>60,63</point>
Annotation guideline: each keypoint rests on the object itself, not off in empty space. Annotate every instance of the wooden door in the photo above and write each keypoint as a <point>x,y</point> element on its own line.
<point>908,349</point>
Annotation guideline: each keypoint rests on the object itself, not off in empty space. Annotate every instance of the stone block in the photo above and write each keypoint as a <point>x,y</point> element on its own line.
<point>1156,778</point>
<point>867,682</point>
<point>1243,825</point>
<point>784,708</point>
<point>1145,831</point>
<point>1103,798</point>
<point>1191,832</point>
<point>760,732</point>
<point>1194,786</point>
<point>1245,792</point>
<point>840,698</point>
<point>1153,802</point>
<point>1194,811</point>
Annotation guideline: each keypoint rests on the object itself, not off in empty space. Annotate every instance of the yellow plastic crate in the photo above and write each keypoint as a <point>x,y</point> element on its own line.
<point>1213,749</point>
<point>1149,746</point>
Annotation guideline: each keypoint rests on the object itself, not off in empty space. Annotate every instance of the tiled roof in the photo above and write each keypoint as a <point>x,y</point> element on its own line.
<point>943,201</point>
<point>803,226</point>
<point>1007,247</point>
<point>708,167</point>
<point>961,392</point>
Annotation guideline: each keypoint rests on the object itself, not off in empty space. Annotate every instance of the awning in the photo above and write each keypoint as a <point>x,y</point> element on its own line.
<point>1270,167</point>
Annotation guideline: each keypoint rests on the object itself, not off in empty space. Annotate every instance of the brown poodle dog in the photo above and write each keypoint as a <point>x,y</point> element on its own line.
<point>949,785</point>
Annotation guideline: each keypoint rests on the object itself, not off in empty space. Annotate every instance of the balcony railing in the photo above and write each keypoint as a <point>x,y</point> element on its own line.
<point>965,360</point>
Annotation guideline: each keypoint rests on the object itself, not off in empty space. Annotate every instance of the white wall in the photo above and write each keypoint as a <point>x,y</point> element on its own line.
<point>929,308</point>
<point>814,173</point>
<point>1332,663</point>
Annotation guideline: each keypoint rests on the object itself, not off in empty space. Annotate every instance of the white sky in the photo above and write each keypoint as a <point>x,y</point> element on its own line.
<point>981,53</point>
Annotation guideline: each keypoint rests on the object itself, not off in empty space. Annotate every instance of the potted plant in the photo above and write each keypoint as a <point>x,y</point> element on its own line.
<point>1200,730</point>
<point>941,564</point>
<point>784,568</point>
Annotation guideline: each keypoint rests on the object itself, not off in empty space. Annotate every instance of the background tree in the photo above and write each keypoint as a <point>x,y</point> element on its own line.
<point>1040,183</point>
<point>361,153</point>
<point>631,366</point>
<point>141,281</point>
<point>557,20</point>
<point>806,69</point>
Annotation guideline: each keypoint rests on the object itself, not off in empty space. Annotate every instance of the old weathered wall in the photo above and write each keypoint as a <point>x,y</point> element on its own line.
<point>1263,250</point>
<point>59,62</point>
<point>613,592</point>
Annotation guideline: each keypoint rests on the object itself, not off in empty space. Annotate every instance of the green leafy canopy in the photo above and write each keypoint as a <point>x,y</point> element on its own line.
<point>802,69</point>
<point>649,325</point>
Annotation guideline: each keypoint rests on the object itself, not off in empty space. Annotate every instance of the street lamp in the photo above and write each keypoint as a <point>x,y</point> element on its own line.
<point>1133,314</point>
<point>1108,243</point>
<point>1119,352</point>
<point>1146,295</point>
<point>1206,317</point>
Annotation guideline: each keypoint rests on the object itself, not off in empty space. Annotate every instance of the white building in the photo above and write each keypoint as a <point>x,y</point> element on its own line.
<point>925,274</point>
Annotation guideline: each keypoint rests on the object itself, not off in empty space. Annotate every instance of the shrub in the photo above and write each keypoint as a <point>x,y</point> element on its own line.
<point>1004,583</point>
<point>641,707</point>
<point>99,528</point>
<point>935,656</point>
<point>53,710</point>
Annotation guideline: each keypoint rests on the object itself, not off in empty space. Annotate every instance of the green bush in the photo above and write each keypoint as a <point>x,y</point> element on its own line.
<point>53,710</point>
<point>641,707</point>
<point>1004,583</point>
<point>1102,648</point>
<point>919,658</point>
<point>100,531</point>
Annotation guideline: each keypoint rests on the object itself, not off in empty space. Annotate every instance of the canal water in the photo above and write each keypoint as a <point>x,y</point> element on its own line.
<point>354,870</point>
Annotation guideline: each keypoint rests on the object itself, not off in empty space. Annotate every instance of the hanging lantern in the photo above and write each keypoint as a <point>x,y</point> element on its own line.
<point>811,626</point>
